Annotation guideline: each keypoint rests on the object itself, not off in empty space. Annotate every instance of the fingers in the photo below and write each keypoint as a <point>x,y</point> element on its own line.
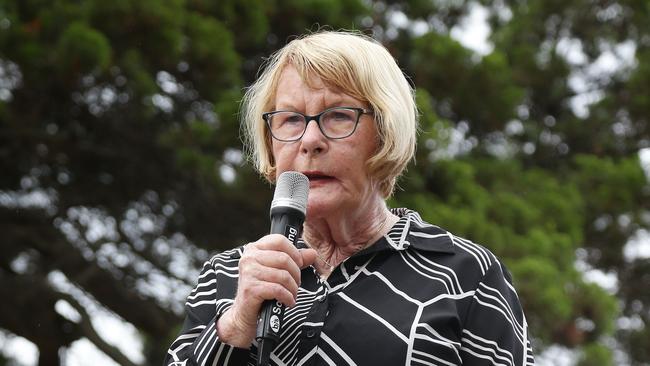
<point>273,252</point>
<point>262,282</point>
<point>259,291</point>
<point>277,242</point>
<point>268,269</point>
<point>308,257</point>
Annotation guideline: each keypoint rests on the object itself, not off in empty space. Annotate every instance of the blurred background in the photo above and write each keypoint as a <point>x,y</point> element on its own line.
<point>122,171</point>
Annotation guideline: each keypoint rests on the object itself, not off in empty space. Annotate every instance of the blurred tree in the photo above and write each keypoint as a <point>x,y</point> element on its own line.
<point>122,168</point>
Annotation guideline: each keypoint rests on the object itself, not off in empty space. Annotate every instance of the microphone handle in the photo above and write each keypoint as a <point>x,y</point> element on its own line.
<point>288,222</point>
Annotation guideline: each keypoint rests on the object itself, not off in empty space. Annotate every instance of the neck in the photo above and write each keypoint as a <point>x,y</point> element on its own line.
<point>338,237</point>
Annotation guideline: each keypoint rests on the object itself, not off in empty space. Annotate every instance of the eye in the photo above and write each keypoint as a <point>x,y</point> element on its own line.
<point>341,115</point>
<point>293,118</point>
<point>286,119</point>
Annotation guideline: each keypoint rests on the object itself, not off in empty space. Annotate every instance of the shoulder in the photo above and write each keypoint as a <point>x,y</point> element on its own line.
<point>222,263</point>
<point>226,257</point>
<point>481,257</point>
<point>222,271</point>
<point>473,260</point>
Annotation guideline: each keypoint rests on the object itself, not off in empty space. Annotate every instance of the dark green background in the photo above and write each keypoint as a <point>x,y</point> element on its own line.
<point>122,117</point>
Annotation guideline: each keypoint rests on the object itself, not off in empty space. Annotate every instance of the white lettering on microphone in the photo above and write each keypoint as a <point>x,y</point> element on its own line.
<point>291,234</point>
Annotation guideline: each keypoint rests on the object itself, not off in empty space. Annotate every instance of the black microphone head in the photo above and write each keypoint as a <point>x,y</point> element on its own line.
<point>291,190</point>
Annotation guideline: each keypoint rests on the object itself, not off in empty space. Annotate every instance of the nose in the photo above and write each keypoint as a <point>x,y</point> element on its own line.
<point>313,141</point>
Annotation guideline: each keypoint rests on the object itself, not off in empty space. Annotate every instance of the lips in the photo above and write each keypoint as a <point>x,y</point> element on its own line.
<point>316,176</point>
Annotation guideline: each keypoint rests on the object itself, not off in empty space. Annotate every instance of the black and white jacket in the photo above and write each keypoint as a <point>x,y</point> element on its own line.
<point>418,296</point>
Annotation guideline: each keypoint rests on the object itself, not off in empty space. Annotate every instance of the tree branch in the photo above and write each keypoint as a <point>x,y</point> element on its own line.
<point>88,331</point>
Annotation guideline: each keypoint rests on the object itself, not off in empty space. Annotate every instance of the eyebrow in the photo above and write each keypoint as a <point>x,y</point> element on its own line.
<point>340,102</point>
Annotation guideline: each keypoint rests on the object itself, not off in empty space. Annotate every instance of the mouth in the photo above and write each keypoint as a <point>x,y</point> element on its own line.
<point>316,176</point>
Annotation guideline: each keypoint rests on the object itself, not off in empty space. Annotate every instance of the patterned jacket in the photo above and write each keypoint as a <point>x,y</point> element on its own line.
<point>418,296</point>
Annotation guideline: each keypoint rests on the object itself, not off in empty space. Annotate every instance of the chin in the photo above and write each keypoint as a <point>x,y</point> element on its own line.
<point>319,208</point>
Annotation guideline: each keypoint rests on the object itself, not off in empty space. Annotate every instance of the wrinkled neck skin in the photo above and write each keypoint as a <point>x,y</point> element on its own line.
<point>342,234</point>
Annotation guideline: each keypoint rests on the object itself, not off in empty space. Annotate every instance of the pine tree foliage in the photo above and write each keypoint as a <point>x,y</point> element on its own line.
<point>121,165</point>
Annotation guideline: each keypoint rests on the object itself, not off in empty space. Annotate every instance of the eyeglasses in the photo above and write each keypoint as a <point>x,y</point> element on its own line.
<point>334,123</point>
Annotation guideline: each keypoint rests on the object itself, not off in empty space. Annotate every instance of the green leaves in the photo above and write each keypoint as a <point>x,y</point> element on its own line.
<point>120,99</point>
<point>465,87</point>
<point>615,186</point>
<point>596,354</point>
<point>82,49</point>
<point>210,50</point>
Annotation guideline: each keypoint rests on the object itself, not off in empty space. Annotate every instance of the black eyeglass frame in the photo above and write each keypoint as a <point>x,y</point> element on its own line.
<point>360,111</point>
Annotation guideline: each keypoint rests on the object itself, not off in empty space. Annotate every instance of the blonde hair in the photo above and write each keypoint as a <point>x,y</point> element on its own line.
<point>357,65</point>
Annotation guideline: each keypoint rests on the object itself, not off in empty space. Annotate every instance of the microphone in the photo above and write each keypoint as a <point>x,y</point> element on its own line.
<point>288,210</point>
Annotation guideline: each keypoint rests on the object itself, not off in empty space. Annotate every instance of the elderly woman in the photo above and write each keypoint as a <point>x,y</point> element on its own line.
<point>367,285</point>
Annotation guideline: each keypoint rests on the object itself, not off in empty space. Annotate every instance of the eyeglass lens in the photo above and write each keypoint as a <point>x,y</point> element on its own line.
<point>334,123</point>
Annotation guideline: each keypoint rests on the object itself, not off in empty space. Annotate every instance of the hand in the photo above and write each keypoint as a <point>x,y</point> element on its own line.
<point>269,269</point>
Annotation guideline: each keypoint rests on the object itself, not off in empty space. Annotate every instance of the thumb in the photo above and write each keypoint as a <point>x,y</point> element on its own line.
<point>308,257</point>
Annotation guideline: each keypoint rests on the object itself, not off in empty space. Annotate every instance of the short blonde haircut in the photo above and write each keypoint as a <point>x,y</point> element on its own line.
<point>358,66</point>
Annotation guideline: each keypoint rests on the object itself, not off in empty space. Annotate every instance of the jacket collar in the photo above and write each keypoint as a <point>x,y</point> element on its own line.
<point>409,231</point>
<point>412,231</point>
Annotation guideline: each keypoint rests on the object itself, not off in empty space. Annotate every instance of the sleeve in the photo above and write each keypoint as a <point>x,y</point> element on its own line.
<point>495,331</point>
<point>198,342</point>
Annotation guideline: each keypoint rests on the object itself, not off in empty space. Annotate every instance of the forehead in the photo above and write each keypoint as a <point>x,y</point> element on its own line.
<point>294,87</point>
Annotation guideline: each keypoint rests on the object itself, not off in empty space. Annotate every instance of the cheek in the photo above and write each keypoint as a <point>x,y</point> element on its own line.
<point>354,166</point>
<point>281,157</point>
<point>361,153</point>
